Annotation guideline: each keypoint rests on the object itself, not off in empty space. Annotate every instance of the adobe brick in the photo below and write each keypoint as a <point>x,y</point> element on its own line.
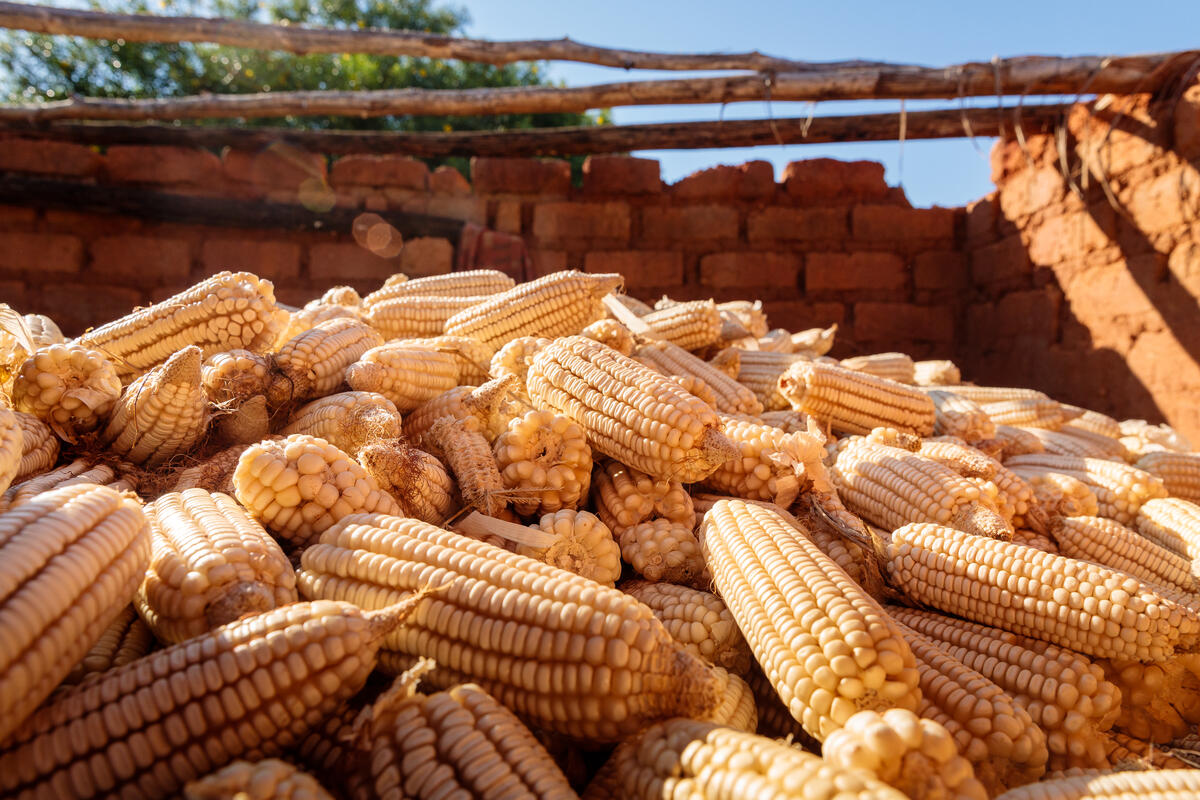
<point>981,220</point>
<point>45,157</point>
<point>777,270</point>
<point>1028,313</point>
<point>621,175</point>
<point>895,322</point>
<point>280,167</point>
<point>546,261</point>
<point>557,222</point>
<point>940,269</point>
<point>77,306</point>
<point>1002,262</point>
<point>641,268</point>
<point>14,216</point>
<point>468,208</point>
<point>520,176</point>
<point>425,256</point>
<point>507,216</point>
<point>752,180</point>
<point>163,165</point>
<point>861,271</point>
<point>40,252</point>
<point>797,315</point>
<point>447,180</point>
<point>688,224</point>
<point>895,224</point>
<point>142,259</point>
<point>844,182</point>
<point>345,262</point>
<point>796,224</point>
<point>389,170</point>
<point>272,260</point>
<point>1068,235</point>
<point>14,293</point>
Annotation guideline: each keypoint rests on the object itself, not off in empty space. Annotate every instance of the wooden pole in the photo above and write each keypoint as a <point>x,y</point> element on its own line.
<point>940,124</point>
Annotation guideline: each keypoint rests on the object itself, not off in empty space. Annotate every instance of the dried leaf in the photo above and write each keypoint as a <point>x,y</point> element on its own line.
<point>14,324</point>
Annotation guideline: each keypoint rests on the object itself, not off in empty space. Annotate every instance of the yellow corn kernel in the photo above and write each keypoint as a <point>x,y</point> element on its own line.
<point>545,462</point>
<point>39,448</point>
<point>234,376</point>
<point>1159,702</point>
<point>729,396</point>
<point>698,620</point>
<point>126,639</point>
<point>314,363</point>
<point>691,326</point>
<point>1119,488</point>
<point>662,550</point>
<point>582,544</point>
<point>415,315</point>
<point>623,497</point>
<point>771,465</point>
<point>470,283</point>
<point>69,387</point>
<point>408,375</point>
<point>855,402</point>
<point>612,333</point>
<point>514,358</point>
<point>897,367</point>
<point>347,420</point>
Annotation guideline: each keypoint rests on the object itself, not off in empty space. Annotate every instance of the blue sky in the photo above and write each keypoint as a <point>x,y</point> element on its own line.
<point>948,172</point>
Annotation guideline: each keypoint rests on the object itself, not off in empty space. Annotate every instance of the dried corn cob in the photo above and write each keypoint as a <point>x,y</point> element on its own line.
<point>224,312</point>
<point>1068,441</point>
<point>661,550</point>
<point>560,304</point>
<point>1031,538</point>
<point>936,373</point>
<point>690,384</point>
<point>1012,497</point>
<point>615,683</point>
<point>855,402</point>
<point>1110,543</point>
<point>1065,693</point>
<point>698,620</point>
<point>1179,472</point>
<point>641,418</point>
<point>515,357</point>
<point>670,359</point>
<point>1026,407</point>
<point>43,330</point>
<point>310,316</point>
<point>1094,422</point>
<point>813,341</point>
<point>253,687</point>
<point>314,363</point>
<point>686,758</point>
<point>1140,438</point>
<point>545,462</point>
<point>1167,784</point>
<point>407,375</point>
<point>772,465</point>
<point>612,333</point>
<point>414,478</point>
<point>749,316</point>
<point>39,447</point>
<point>788,421</point>
<point>917,756</point>
<point>1058,493</point>
<point>778,586</point>
<point>728,361</point>
<point>1172,524</point>
<point>692,326</point>
<point>301,485</point>
<point>337,296</point>
<point>268,779</point>
<point>1128,752</point>
<point>737,709</point>
<point>759,371</point>
<point>249,422</point>
<point>415,315</point>
<point>347,420</point>
<point>1119,488</point>
<point>1036,594</point>
<point>472,356</point>
<point>330,752</point>
<point>471,283</point>
<point>623,497</point>
<point>71,561</point>
<point>956,454</point>
<point>234,376</point>
<point>580,543</point>
<point>482,403</point>
<point>776,340</point>
<point>162,414</point>
<point>215,473</point>
<point>210,564</point>
<point>1159,702</point>
<point>70,388</point>
<point>466,452</point>
<point>893,366</point>
<point>890,487</point>
<point>1016,441</point>
<point>958,416</point>
<point>126,639</point>
<point>116,476</point>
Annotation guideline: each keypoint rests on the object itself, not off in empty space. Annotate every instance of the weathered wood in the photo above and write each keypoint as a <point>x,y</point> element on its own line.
<point>940,124</point>
<point>226,212</point>
<point>1027,75</point>
<point>304,40</point>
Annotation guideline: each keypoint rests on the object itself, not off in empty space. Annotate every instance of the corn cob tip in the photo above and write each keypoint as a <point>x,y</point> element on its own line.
<point>184,367</point>
<point>699,687</point>
<point>983,521</point>
<point>606,283</point>
<point>387,619</point>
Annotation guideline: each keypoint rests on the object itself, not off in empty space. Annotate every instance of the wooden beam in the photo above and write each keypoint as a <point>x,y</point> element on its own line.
<point>304,40</point>
<point>940,124</point>
<point>1027,76</point>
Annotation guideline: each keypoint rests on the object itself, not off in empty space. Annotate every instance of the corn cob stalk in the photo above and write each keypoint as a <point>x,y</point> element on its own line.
<point>488,405</point>
<point>692,326</point>
<point>701,761</point>
<point>1065,693</point>
<point>642,419</point>
<point>515,357</point>
<point>670,359</point>
<point>310,316</point>
<point>210,564</point>
<point>1140,438</point>
<point>612,333</point>
<point>471,283</point>
<point>1016,441</point>
<point>466,452</point>
<point>314,363</point>
<point>1167,784</point>
<point>1058,493</point>
<point>414,478</point>
<point>70,388</point>
<point>230,310</point>
<point>1110,543</point>
<point>854,402</point>
<point>936,373</point>
<point>116,476</point>
<point>624,497</point>
<point>1068,441</point>
<point>215,473</point>
<point>917,756</point>
<point>893,366</point>
<point>616,683</point>
<point>1037,594</point>
<point>661,550</point>
<point>578,542</point>
<point>71,560</point>
<point>1119,488</point>
<point>301,485</point>
<point>1093,421</point>
<point>958,416</point>
<point>269,779</point>
<point>778,585</point>
<point>545,462</point>
<point>890,487</point>
<point>1179,472</point>
<point>560,304</point>
<point>412,316</point>
<point>759,371</point>
<point>234,376</point>
<point>408,375</point>
<point>772,465</point>
<point>1172,524</point>
<point>39,447</point>
<point>127,638</point>
<point>162,414</point>
<point>347,420</point>
<point>698,620</point>
<point>1159,702</point>
<point>251,688</point>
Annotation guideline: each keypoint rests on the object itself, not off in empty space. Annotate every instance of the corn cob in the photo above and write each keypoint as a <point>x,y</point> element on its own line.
<point>686,758</point>
<point>854,402</point>
<point>299,486</point>
<point>774,719</point>
<point>227,311</point>
<point>1113,545</point>
<point>126,639</point>
<point>772,465</point>
<point>337,296</point>
<point>759,371</point>
<point>560,304</point>
<point>43,330</point>
<point>472,283</point>
<point>314,363</point>
<point>1171,524</point>
<point>1036,594</point>
<point>268,779</point>
<point>472,356</point>
<point>736,709</point>
<point>612,333</point>
<point>455,743</point>
<point>788,421</point>
<point>545,462</point>
<point>1013,497</point>
<point>466,452</point>
<point>214,473</point>
<point>39,447</point>
<point>515,357</point>
<point>70,388</point>
<point>1159,702</point>
<point>310,316</point>
<point>1093,421</point>
<point>890,487</point>
<point>578,542</point>
<point>814,341</point>
<point>234,376</point>
<point>116,476</point>
<point>893,366</point>
<point>670,359</point>
<point>936,373</point>
<point>347,420</point>
<point>251,688</point>
<point>743,314</point>
<point>917,756</point>
<point>1119,488</point>
<point>414,478</point>
<point>690,384</point>
<point>624,497</point>
<point>1058,493</point>
<point>1068,441</point>
<point>632,303</point>
<point>727,361</point>
<point>698,620</point>
<point>779,585</point>
<point>415,315</point>
<point>1179,472</point>
<point>610,685</point>
<point>1128,752</point>
<point>210,564</point>
<point>407,375</point>
<point>691,326</point>
<point>249,422</point>
<point>330,752</point>
<point>776,340</point>
<point>661,550</point>
<point>1016,441</point>
<point>958,416</point>
<point>1031,409</point>
<point>641,418</point>
<point>1140,438</point>
<point>1032,538</point>
<point>1064,693</point>
<point>72,559</point>
<point>952,452</point>
<point>1167,784</point>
